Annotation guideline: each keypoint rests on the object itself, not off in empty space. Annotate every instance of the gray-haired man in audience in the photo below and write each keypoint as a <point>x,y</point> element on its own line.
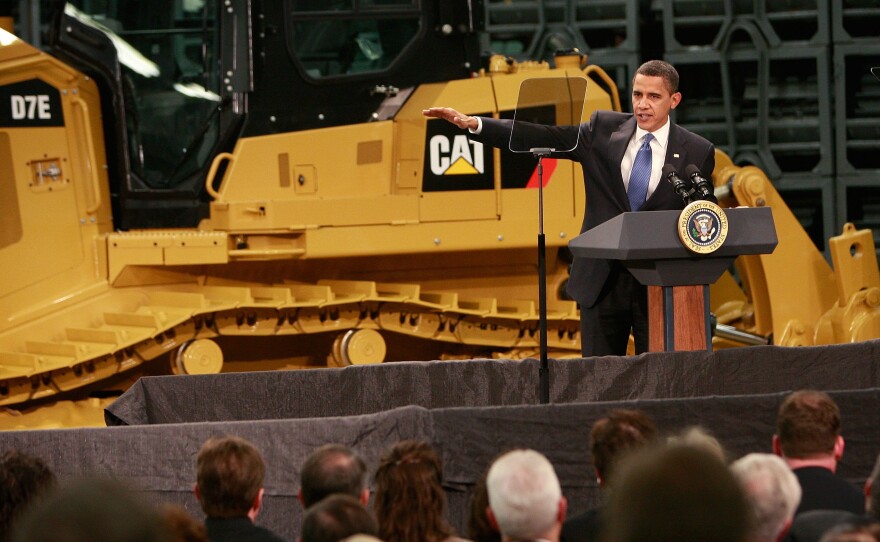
<point>772,492</point>
<point>525,498</point>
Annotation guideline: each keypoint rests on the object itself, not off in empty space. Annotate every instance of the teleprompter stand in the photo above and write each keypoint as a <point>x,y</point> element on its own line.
<point>542,104</point>
<point>678,280</point>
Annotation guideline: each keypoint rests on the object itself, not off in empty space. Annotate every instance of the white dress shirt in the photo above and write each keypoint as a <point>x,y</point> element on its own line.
<point>658,155</point>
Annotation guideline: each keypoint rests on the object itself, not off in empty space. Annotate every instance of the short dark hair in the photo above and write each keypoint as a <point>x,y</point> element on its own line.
<point>675,494</point>
<point>808,424</point>
<point>336,518</point>
<point>229,476</point>
<point>332,469</point>
<point>621,432</point>
<point>660,68</point>
<point>24,480</point>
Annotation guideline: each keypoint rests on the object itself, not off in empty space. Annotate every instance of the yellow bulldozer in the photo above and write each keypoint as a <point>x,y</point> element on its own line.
<point>209,186</point>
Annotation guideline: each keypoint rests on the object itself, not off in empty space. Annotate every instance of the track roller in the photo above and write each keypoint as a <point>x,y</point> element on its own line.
<point>358,347</point>
<point>198,357</point>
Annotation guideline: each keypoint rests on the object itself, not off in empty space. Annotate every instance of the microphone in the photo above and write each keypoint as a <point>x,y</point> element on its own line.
<point>681,186</point>
<point>704,189</point>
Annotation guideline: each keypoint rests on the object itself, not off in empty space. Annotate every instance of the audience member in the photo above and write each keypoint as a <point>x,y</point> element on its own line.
<point>699,437</point>
<point>872,497</point>
<point>335,518</point>
<point>675,494</point>
<point>622,432</point>
<point>773,494</point>
<point>479,528</point>
<point>92,510</point>
<point>24,481</point>
<point>332,469</point>
<point>811,525</point>
<point>525,498</point>
<point>362,538</point>
<point>229,486</point>
<point>409,499</point>
<point>182,526</point>
<point>808,439</point>
<point>859,532</point>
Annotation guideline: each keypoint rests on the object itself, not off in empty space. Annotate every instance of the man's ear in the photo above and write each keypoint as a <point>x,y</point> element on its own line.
<point>839,445</point>
<point>299,497</point>
<point>783,534</point>
<point>563,509</point>
<point>365,497</point>
<point>490,515</point>
<point>777,448</point>
<point>256,505</point>
<point>599,478</point>
<point>196,491</point>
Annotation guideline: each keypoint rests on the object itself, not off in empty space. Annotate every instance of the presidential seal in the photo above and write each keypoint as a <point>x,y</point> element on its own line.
<point>702,227</point>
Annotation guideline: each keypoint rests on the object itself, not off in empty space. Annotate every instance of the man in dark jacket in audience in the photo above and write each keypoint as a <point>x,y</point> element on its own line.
<point>808,439</point>
<point>229,486</point>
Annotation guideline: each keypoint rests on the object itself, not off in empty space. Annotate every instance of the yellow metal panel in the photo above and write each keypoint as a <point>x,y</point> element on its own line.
<point>10,216</point>
<point>310,213</point>
<point>52,239</point>
<point>333,152</point>
<point>449,206</point>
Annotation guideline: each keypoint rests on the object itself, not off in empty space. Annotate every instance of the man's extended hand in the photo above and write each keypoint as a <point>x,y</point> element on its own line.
<point>447,113</point>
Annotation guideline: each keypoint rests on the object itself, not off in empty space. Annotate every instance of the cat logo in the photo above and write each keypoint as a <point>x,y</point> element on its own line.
<point>454,162</point>
<point>464,158</point>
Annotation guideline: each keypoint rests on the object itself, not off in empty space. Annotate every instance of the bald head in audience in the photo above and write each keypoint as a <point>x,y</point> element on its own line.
<point>333,469</point>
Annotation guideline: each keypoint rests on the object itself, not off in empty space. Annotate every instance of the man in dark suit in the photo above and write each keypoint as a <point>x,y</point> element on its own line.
<point>808,439</point>
<point>229,486</point>
<point>622,156</point>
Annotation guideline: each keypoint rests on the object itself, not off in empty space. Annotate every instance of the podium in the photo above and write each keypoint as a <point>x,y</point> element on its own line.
<point>678,280</point>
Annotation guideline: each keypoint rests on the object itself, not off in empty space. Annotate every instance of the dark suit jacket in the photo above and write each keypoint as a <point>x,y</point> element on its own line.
<point>238,530</point>
<point>601,145</point>
<point>824,490</point>
<point>585,527</point>
<point>812,524</point>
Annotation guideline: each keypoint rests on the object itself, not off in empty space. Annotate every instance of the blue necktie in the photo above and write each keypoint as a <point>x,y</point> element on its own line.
<point>640,175</point>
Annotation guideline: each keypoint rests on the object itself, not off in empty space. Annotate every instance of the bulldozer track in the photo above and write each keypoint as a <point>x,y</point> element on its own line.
<point>165,319</point>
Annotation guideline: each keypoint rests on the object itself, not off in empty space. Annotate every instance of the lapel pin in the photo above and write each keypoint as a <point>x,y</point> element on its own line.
<point>675,155</point>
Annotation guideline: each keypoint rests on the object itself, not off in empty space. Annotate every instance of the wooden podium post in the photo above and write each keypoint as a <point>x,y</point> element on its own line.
<point>678,280</point>
<point>678,318</point>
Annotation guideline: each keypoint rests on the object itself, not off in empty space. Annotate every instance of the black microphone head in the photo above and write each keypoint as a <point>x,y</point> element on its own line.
<point>667,170</point>
<point>692,170</point>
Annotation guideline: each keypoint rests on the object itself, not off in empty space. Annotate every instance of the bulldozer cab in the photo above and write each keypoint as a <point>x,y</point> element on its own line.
<point>183,80</point>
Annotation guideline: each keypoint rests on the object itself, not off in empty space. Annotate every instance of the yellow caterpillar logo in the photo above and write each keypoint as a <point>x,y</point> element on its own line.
<point>464,158</point>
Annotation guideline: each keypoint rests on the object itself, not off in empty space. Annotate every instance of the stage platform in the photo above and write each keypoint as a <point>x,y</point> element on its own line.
<point>468,410</point>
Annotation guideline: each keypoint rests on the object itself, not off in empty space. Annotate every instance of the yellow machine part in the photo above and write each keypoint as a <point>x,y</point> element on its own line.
<point>793,295</point>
